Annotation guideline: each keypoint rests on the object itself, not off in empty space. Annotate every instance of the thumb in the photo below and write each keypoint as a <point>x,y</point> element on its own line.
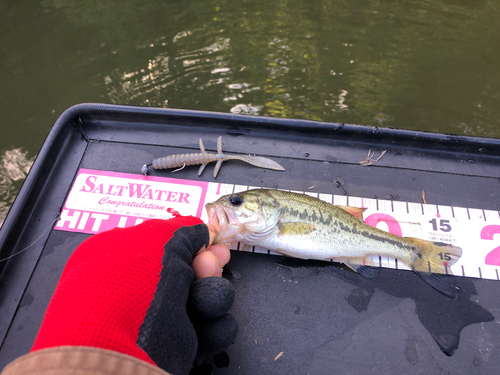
<point>166,320</point>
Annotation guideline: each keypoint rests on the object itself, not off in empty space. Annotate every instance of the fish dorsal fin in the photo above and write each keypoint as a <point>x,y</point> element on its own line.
<point>355,211</point>
<point>294,229</point>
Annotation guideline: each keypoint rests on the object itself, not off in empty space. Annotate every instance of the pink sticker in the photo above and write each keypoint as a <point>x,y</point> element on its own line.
<point>487,233</point>
<point>392,224</point>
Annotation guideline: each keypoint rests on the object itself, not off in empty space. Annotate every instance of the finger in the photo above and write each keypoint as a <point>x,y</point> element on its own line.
<point>210,297</point>
<point>222,253</point>
<point>206,264</point>
<point>215,335</point>
<point>213,233</point>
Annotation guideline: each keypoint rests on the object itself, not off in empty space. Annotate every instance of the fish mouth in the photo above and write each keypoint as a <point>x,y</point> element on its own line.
<point>216,215</point>
<point>219,218</point>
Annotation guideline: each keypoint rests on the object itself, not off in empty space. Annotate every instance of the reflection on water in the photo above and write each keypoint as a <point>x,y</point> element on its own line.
<point>410,65</point>
<point>14,166</point>
<point>149,85</point>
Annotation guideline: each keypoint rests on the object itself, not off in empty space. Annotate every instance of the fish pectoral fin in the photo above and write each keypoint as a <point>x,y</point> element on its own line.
<point>355,211</point>
<point>364,266</point>
<point>294,229</point>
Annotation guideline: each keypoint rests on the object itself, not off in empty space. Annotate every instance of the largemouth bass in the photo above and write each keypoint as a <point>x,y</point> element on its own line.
<point>300,226</point>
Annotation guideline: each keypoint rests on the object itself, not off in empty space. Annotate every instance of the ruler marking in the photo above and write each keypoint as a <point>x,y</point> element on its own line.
<point>463,272</point>
<point>421,205</point>
<point>496,271</point>
<point>480,273</point>
<point>452,212</point>
<point>468,213</point>
<point>392,205</point>
<point>396,263</point>
<point>407,208</point>
<point>484,214</point>
<point>437,209</point>
<point>377,204</point>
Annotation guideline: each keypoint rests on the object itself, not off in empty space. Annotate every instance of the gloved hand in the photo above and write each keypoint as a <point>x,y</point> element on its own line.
<point>127,290</point>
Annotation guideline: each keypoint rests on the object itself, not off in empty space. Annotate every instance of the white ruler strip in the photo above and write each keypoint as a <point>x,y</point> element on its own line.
<point>476,231</point>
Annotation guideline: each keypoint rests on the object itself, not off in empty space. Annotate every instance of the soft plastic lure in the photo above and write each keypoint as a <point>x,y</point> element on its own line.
<point>182,160</point>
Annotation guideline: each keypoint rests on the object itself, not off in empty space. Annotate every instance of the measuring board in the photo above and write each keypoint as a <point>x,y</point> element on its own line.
<point>102,200</point>
<point>471,229</point>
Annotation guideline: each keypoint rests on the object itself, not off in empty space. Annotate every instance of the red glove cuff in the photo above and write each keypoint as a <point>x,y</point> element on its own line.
<point>107,287</point>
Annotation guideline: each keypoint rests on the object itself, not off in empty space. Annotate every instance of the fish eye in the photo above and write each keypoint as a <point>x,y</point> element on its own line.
<point>235,200</point>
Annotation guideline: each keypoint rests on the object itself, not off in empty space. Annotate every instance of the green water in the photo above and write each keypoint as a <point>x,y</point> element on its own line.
<point>423,65</point>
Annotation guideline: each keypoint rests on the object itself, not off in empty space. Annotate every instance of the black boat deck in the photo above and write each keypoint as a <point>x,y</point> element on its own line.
<point>320,317</point>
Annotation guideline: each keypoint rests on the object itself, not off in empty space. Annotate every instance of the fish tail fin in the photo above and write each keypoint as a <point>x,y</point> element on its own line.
<point>435,258</point>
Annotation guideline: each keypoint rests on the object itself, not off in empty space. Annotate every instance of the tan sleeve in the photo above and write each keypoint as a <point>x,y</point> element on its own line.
<point>80,360</point>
